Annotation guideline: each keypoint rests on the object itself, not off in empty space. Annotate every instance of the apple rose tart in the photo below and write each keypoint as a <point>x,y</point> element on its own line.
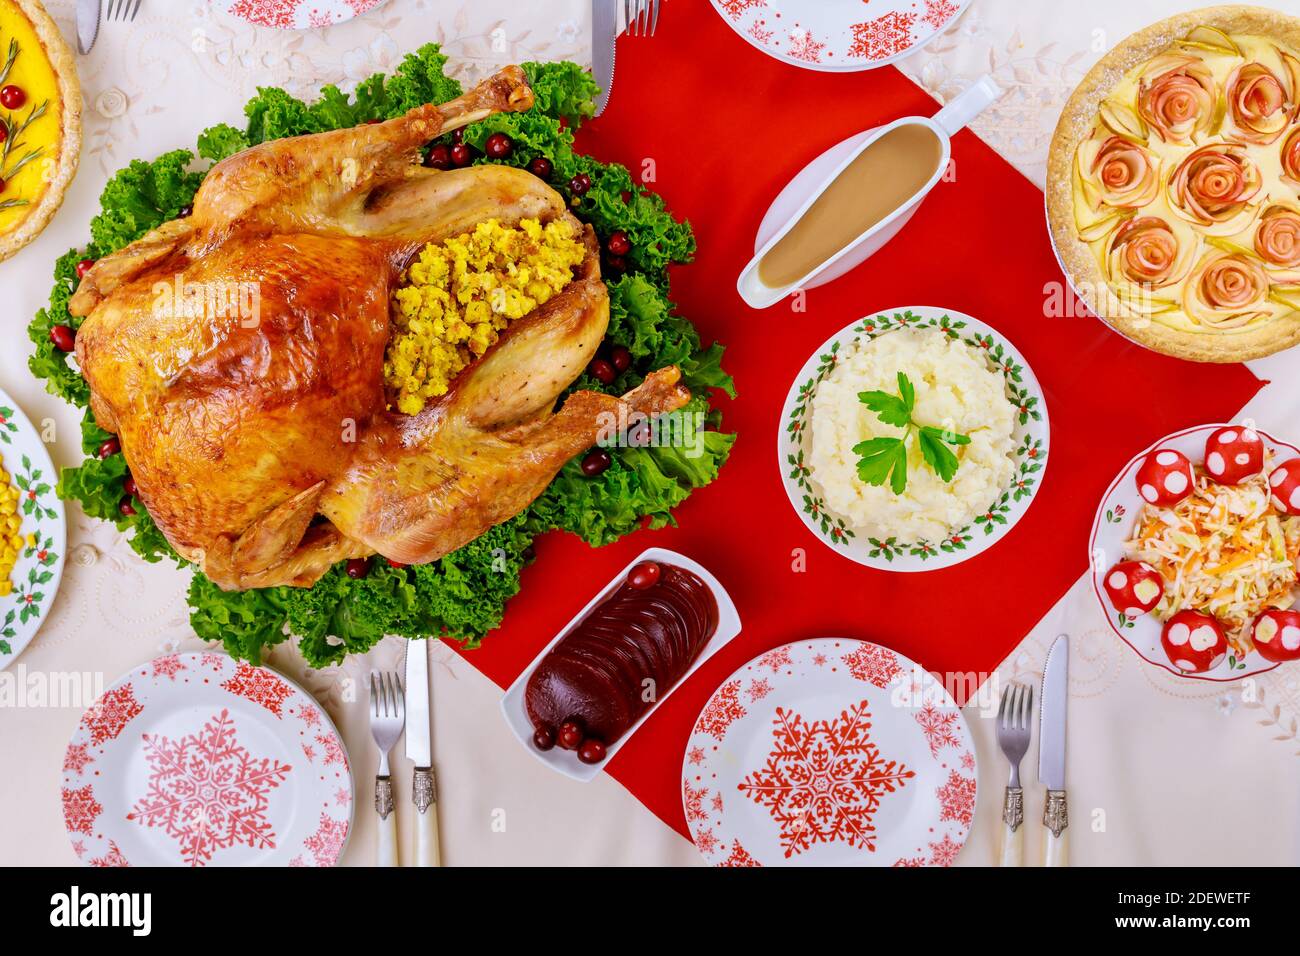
<point>1174,185</point>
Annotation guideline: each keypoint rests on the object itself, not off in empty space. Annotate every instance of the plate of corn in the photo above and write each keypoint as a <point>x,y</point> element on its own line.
<point>33,531</point>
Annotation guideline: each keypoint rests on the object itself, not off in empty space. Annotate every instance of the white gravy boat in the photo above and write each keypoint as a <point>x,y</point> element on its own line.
<point>808,185</point>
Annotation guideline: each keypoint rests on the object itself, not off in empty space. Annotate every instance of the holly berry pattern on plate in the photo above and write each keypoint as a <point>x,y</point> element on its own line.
<point>1032,437</point>
<point>838,36</point>
<point>298,14</point>
<point>38,569</point>
<point>829,752</point>
<point>1196,650</point>
<point>201,760</point>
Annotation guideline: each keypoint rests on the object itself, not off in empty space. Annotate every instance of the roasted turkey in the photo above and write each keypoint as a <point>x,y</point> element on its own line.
<point>266,450</point>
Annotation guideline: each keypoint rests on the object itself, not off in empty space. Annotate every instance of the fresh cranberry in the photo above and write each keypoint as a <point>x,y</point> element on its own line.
<point>4,133</point>
<point>579,184</point>
<point>358,568</point>
<point>591,751</point>
<point>12,97</point>
<point>618,243</point>
<point>602,371</point>
<point>596,462</point>
<point>541,167</point>
<point>570,735</point>
<point>457,136</point>
<point>128,485</point>
<point>126,506</point>
<point>639,435</point>
<point>109,448</point>
<point>616,263</point>
<point>83,267</point>
<point>461,155</point>
<point>644,575</point>
<point>620,358</point>
<point>543,738</point>
<point>498,146</point>
<point>64,339</point>
<point>439,158</point>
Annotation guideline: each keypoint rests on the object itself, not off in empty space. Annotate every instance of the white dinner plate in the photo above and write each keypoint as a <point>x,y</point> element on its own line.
<point>35,578</point>
<point>843,36</point>
<point>202,760</point>
<point>297,14</point>
<point>1113,525</point>
<point>830,752</point>
<point>1032,438</point>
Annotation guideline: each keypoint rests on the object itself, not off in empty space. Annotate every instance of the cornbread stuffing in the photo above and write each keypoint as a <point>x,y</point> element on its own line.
<point>11,540</point>
<point>457,297</point>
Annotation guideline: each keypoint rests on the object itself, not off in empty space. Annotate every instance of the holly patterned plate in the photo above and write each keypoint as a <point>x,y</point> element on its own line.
<point>297,14</point>
<point>1114,524</point>
<point>43,525</point>
<point>838,35</point>
<point>830,752</point>
<point>202,760</point>
<point>891,554</point>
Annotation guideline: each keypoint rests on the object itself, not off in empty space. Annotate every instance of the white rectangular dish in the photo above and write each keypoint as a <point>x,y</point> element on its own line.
<point>566,761</point>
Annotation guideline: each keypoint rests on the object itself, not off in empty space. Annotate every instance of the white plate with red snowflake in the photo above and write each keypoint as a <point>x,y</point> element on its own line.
<point>1184,458</point>
<point>202,760</point>
<point>839,35</point>
<point>43,525</point>
<point>297,14</point>
<point>830,752</point>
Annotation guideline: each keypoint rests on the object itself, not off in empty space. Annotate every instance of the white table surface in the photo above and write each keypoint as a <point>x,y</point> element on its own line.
<point>1162,771</point>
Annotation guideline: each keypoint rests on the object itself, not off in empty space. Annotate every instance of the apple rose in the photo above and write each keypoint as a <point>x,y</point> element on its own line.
<point>1176,97</point>
<point>1277,242</point>
<point>1213,186</point>
<point>1226,291</point>
<point>1146,252</point>
<point>1291,157</point>
<point>1121,174</point>
<point>1258,104</point>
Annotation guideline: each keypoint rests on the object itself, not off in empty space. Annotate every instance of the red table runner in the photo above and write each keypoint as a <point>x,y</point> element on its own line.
<point>726,127</point>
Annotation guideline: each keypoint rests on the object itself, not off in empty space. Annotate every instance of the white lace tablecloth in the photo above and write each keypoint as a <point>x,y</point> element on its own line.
<point>1162,771</point>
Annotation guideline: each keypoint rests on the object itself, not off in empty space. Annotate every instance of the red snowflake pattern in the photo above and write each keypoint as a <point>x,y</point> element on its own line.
<point>882,37</point>
<point>944,852</point>
<point>332,748</point>
<point>760,34</point>
<point>760,688</point>
<point>695,755</point>
<point>309,752</point>
<point>76,757</point>
<point>342,796</point>
<point>938,12</point>
<point>266,13</point>
<point>910,861</point>
<point>957,799</point>
<point>109,715</point>
<point>802,46</point>
<point>968,761</point>
<point>168,666</point>
<point>706,841</point>
<point>820,659</point>
<point>739,857</point>
<point>208,792</point>
<point>723,708</point>
<point>823,780</point>
<point>938,726</point>
<point>259,685</point>
<point>694,802</point>
<point>873,664</point>
<point>309,716</point>
<point>735,8</point>
<point>326,844</point>
<point>716,803</point>
<point>113,858</point>
<point>80,810</point>
<point>776,659</point>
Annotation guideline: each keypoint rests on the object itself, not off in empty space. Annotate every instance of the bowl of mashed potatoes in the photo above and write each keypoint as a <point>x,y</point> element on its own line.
<point>913,439</point>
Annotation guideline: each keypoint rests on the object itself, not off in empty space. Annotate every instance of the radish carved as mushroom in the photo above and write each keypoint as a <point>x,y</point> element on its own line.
<point>1134,587</point>
<point>1277,635</point>
<point>1284,482</point>
<point>1194,642</point>
<point>1234,454</point>
<point>1165,477</point>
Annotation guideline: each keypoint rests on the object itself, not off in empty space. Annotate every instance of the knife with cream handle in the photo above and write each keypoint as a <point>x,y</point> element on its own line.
<point>1051,753</point>
<point>419,748</point>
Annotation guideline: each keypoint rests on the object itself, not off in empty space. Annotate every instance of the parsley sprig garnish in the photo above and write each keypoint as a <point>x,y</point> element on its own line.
<point>885,459</point>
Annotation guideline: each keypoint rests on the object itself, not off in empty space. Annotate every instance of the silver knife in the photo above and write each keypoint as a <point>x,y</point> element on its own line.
<point>87,24</point>
<point>1051,752</point>
<point>419,749</point>
<point>604,30</point>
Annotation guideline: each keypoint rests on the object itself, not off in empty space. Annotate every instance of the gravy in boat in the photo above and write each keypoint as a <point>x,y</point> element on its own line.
<point>881,178</point>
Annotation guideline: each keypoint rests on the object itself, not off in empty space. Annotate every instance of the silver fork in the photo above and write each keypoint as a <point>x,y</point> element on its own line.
<point>387,718</point>
<point>642,17</point>
<point>1014,730</point>
<point>118,9</point>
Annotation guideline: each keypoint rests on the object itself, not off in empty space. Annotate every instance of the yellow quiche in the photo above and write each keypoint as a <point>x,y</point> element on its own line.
<point>1173,187</point>
<point>40,121</point>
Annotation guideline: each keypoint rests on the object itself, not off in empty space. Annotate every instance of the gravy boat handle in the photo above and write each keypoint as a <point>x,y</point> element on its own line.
<point>968,104</point>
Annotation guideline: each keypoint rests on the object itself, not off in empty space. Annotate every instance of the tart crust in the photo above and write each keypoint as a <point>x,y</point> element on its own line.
<point>60,56</point>
<point>1077,257</point>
